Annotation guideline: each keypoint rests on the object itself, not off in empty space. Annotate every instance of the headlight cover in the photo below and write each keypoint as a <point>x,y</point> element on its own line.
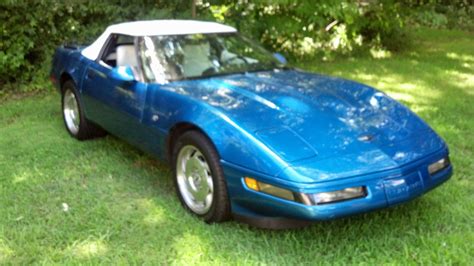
<point>334,196</point>
<point>438,165</point>
<point>306,199</point>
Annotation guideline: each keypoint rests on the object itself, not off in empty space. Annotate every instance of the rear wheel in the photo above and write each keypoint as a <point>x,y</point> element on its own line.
<point>199,179</point>
<point>74,120</point>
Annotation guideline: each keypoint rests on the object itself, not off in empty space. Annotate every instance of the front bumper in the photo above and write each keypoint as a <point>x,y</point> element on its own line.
<point>384,189</point>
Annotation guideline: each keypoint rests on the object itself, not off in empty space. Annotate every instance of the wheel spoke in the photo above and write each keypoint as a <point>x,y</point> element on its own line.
<point>210,184</point>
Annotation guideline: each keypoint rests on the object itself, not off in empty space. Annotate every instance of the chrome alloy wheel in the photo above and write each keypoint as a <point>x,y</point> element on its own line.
<point>71,112</point>
<point>194,179</point>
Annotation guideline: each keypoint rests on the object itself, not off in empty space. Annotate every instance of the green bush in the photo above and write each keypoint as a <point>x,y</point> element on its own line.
<point>313,28</point>
<point>441,13</point>
<point>31,30</point>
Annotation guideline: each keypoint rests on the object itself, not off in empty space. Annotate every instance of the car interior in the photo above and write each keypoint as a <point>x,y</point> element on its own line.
<point>120,51</point>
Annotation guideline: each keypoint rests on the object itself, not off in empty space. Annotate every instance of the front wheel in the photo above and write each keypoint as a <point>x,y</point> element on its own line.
<point>199,179</point>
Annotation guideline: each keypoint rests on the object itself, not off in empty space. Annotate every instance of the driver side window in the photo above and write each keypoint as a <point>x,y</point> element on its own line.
<point>119,51</point>
<point>174,57</point>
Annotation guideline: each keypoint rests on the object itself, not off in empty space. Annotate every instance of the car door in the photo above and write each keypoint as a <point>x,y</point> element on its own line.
<point>115,103</point>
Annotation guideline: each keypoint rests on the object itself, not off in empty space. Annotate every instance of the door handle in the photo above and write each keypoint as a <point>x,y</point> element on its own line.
<point>126,91</point>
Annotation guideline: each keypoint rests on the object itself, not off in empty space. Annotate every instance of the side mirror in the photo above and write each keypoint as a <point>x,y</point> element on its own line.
<point>280,58</point>
<point>123,73</point>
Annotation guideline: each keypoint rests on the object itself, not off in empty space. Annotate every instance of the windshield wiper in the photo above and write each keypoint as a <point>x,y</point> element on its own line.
<point>218,74</point>
<point>272,67</point>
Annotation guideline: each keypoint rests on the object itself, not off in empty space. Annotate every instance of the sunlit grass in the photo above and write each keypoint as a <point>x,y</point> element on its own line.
<point>102,201</point>
<point>5,252</point>
<point>87,249</point>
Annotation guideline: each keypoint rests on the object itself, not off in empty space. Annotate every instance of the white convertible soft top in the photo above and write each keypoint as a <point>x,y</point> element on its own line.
<point>154,28</point>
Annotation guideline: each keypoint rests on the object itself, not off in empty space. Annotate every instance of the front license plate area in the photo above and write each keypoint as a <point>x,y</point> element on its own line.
<point>403,188</point>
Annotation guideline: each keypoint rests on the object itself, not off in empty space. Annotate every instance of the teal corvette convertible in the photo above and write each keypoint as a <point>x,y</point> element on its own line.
<point>246,136</point>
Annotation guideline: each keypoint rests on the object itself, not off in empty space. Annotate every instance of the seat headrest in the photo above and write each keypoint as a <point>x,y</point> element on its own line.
<point>126,55</point>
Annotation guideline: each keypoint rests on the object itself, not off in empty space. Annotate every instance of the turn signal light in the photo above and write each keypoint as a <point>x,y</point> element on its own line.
<point>269,189</point>
<point>252,183</point>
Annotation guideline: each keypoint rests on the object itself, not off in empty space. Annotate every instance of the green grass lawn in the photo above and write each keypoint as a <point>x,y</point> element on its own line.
<point>103,201</point>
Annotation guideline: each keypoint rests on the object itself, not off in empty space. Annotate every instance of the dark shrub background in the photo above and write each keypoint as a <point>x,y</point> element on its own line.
<point>30,30</point>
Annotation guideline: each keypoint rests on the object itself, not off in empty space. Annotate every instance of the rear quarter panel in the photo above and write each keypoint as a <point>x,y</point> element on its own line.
<point>68,62</point>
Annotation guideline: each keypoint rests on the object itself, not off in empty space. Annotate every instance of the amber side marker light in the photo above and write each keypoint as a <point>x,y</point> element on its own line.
<point>252,183</point>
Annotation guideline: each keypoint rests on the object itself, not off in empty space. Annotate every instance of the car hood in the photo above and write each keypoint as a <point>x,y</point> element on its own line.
<point>302,115</point>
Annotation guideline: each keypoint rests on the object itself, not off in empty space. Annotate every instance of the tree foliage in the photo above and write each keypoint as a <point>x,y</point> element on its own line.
<point>441,13</point>
<point>302,28</point>
<point>30,30</point>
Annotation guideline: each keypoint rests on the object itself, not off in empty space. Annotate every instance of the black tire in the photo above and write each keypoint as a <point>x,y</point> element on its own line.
<point>219,210</point>
<point>85,129</point>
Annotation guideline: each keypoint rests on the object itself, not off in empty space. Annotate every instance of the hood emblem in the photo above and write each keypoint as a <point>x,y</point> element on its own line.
<point>365,138</point>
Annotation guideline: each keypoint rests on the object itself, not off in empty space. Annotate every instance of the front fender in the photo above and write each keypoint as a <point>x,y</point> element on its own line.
<point>234,143</point>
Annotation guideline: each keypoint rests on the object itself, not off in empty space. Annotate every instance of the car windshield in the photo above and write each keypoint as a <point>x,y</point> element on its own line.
<point>177,57</point>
